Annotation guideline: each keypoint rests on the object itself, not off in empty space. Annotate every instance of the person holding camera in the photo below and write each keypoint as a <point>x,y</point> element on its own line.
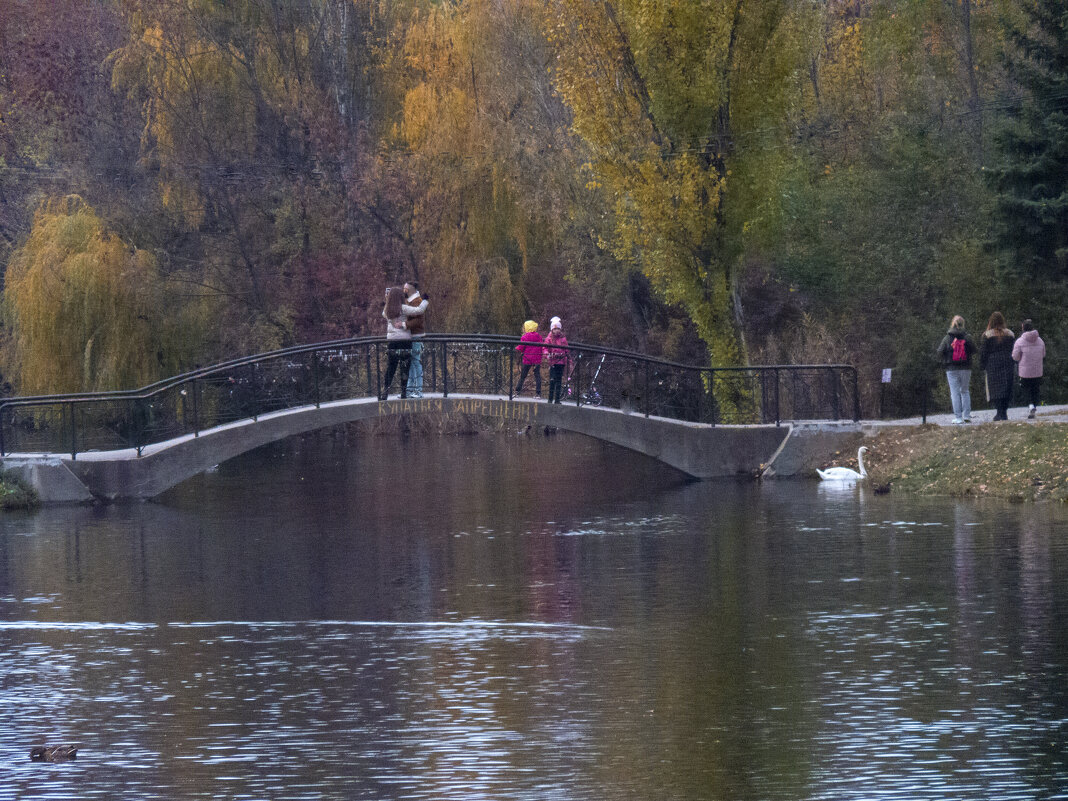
<point>414,309</point>
<point>398,342</point>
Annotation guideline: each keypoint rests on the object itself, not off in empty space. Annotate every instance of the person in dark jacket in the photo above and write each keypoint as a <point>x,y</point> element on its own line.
<point>955,351</point>
<point>995,357</point>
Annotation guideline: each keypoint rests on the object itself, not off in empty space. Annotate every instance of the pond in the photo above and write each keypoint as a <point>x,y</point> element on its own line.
<point>531,617</point>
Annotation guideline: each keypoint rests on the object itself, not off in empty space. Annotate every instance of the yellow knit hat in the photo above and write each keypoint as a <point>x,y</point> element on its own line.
<point>529,326</point>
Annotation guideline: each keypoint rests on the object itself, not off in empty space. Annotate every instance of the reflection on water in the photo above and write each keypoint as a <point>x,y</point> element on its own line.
<point>530,618</point>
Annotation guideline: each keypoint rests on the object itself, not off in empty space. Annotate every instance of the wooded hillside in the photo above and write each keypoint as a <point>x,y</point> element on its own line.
<point>717,181</point>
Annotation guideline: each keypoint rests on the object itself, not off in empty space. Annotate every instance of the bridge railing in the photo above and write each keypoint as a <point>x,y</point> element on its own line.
<point>313,375</point>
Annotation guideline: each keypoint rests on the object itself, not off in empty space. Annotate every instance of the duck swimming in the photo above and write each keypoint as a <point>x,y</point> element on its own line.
<point>53,753</point>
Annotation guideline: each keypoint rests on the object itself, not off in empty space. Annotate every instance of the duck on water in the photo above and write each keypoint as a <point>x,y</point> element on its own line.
<point>53,753</point>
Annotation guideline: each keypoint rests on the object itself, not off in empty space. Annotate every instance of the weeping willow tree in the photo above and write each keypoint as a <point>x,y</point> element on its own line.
<point>79,306</point>
<point>483,133</point>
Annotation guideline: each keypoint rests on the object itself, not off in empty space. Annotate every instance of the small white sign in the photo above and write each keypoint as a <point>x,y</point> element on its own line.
<point>886,375</point>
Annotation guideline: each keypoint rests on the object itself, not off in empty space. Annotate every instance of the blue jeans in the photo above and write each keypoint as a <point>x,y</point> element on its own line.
<point>960,392</point>
<point>415,373</point>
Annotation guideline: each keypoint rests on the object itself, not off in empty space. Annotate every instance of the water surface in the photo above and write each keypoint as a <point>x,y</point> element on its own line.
<point>513,617</point>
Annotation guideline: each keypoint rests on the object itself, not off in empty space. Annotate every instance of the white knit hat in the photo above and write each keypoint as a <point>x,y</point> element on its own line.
<point>555,323</point>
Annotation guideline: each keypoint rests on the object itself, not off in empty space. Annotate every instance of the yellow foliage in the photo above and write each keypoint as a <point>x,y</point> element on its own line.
<point>202,94</point>
<point>655,89</point>
<point>78,301</point>
<point>475,213</point>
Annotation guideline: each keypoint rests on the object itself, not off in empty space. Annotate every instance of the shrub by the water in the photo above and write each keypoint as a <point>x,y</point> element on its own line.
<point>16,493</point>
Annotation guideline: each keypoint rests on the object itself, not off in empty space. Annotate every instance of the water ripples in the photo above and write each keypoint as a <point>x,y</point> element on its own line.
<point>282,709</point>
<point>526,641</point>
<point>913,710</point>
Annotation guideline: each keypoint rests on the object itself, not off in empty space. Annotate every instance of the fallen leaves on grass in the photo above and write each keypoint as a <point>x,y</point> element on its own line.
<point>1016,461</point>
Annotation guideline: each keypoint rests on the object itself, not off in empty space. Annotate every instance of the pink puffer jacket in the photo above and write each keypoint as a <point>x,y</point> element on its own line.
<point>1029,350</point>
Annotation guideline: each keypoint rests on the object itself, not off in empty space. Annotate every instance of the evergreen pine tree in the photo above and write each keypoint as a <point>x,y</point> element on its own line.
<point>1032,179</point>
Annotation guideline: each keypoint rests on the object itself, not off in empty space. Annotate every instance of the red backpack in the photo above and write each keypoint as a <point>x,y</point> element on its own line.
<point>960,350</point>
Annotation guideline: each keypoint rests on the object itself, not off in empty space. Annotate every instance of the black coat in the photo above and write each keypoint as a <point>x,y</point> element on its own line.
<point>995,356</point>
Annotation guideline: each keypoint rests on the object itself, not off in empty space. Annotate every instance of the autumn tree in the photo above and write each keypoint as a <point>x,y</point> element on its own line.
<point>86,310</point>
<point>61,128</point>
<point>678,102</point>
<point>885,207</point>
<point>257,122</point>
<point>488,138</point>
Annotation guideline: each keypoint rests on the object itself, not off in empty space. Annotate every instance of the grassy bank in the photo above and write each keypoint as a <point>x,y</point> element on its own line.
<point>1015,461</point>
<point>16,493</point>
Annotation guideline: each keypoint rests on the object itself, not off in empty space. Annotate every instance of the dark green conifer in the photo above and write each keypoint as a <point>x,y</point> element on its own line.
<point>1032,178</point>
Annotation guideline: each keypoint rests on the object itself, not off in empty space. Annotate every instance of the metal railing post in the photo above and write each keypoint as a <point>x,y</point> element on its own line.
<point>700,397</point>
<point>498,371</point>
<point>778,411</point>
<point>367,366</point>
<point>923,402</point>
<point>578,379</point>
<point>444,369</point>
<point>135,425</point>
<point>73,434</point>
<point>511,371</point>
<point>196,410</point>
<point>647,389</point>
<point>378,373</point>
<point>253,392</point>
<point>834,396</point>
<point>712,395</point>
<point>3,450</point>
<point>315,377</point>
<point>856,397</point>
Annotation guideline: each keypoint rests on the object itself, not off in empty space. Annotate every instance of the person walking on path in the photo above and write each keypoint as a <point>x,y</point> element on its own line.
<point>995,357</point>
<point>557,357</point>
<point>399,342</point>
<point>532,356</point>
<point>1028,353</point>
<point>414,309</point>
<point>955,351</point>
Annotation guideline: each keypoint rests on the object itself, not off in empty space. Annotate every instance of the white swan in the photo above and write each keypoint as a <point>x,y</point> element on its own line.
<point>844,473</point>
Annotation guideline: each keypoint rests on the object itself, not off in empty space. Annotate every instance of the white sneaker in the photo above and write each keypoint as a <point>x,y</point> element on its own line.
<point>957,421</point>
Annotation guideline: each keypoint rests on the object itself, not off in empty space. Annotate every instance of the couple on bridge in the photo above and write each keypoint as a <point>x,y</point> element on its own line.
<point>404,311</point>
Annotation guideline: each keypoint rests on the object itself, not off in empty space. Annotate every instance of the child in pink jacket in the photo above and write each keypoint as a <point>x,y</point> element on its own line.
<point>532,355</point>
<point>557,357</point>
<point>1029,351</point>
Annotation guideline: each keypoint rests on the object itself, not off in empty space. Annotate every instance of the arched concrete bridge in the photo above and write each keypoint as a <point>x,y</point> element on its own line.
<point>699,450</point>
<point>136,445</point>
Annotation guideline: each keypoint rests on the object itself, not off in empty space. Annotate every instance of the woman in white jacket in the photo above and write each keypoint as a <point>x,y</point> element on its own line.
<point>399,342</point>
